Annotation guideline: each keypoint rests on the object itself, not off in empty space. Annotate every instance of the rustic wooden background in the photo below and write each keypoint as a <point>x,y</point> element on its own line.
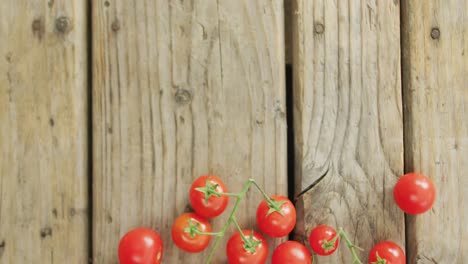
<point>110,108</point>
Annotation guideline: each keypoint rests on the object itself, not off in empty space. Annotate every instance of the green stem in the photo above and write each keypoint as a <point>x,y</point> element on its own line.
<point>351,246</point>
<point>262,191</point>
<point>231,218</point>
<point>208,233</point>
<point>228,194</point>
<point>234,220</point>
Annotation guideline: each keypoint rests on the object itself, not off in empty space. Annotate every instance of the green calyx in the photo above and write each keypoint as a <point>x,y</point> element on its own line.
<point>330,245</point>
<point>275,206</point>
<point>379,260</point>
<point>209,190</point>
<point>250,244</point>
<point>192,229</point>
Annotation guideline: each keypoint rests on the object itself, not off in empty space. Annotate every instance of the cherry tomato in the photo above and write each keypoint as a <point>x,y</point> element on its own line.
<point>140,246</point>
<point>204,198</point>
<point>273,223</point>
<point>320,240</point>
<point>187,240</point>
<point>387,252</point>
<point>291,252</point>
<point>255,251</point>
<point>414,193</point>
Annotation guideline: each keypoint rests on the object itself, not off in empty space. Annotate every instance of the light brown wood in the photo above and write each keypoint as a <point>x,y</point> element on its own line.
<point>183,88</point>
<point>43,132</point>
<point>347,120</point>
<point>435,64</point>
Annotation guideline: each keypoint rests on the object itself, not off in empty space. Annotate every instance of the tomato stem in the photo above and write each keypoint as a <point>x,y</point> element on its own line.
<point>234,220</point>
<point>197,231</point>
<point>236,195</point>
<point>249,243</point>
<point>239,198</point>
<point>350,244</point>
<point>268,198</point>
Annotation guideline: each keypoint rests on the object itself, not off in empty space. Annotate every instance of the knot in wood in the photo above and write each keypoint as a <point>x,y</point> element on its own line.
<point>46,231</point>
<point>183,96</point>
<point>38,28</point>
<point>115,25</point>
<point>435,33</point>
<point>319,28</point>
<point>36,24</point>
<point>62,24</point>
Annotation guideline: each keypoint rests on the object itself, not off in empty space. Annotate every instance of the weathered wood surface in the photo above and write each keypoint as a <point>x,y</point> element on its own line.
<point>348,119</point>
<point>183,88</point>
<point>43,132</point>
<point>435,64</point>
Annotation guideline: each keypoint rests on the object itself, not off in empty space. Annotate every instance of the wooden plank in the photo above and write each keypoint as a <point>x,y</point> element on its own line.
<point>435,63</point>
<point>183,88</point>
<point>347,119</point>
<point>43,132</point>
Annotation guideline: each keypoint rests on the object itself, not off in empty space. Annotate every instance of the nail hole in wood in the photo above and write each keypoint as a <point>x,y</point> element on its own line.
<point>319,28</point>
<point>435,33</point>
<point>51,122</point>
<point>62,24</point>
<point>106,4</point>
<point>183,96</point>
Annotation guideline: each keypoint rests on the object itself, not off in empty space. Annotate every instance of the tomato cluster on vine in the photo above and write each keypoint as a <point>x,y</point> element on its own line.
<point>208,196</point>
<point>275,217</point>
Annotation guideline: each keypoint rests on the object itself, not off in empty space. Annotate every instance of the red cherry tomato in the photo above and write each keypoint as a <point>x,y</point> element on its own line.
<point>204,199</point>
<point>187,241</point>
<point>291,252</point>
<point>239,252</point>
<point>273,223</point>
<point>320,240</point>
<point>140,246</point>
<point>414,193</point>
<point>387,252</point>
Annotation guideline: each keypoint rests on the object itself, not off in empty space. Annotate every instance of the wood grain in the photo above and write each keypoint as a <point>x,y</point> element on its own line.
<point>435,63</point>
<point>43,132</point>
<point>347,120</point>
<point>181,89</point>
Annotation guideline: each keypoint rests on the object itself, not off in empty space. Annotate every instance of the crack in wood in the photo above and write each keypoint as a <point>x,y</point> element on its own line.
<point>314,183</point>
